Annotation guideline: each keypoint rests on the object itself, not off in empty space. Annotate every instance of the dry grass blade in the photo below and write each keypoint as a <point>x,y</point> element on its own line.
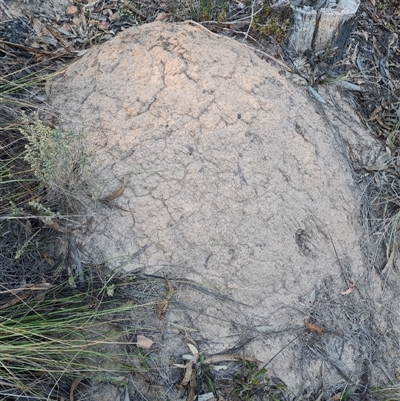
<point>230,357</point>
<point>390,392</point>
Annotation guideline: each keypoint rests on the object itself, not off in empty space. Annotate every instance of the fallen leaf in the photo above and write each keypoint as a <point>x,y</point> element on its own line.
<point>191,394</point>
<point>115,17</point>
<point>71,10</point>
<point>187,357</point>
<point>143,342</point>
<point>350,289</point>
<point>188,374</point>
<point>65,27</point>
<point>103,25</point>
<point>179,365</point>
<point>316,95</point>
<point>193,350</point>
<point>312,327</point>
<point>74,385</point>
<point>162,16</point>
<point>217,368</point>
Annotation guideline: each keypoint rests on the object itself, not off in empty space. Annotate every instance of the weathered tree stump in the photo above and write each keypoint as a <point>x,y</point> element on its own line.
<point>320,24</point>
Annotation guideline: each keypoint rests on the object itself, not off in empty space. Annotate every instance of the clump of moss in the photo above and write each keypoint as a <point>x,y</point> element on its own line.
<point>272,22</point>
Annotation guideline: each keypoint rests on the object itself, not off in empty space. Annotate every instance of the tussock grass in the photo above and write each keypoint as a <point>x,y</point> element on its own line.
<point>58,328</point>
<point>390,392</point>
<point>50,337</point>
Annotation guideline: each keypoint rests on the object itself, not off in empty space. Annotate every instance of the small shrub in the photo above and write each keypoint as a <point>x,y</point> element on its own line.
<point>273,22</point>
<point>55,156</point>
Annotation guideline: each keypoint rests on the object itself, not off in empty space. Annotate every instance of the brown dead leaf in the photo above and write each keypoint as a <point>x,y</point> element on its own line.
<point>71,10</point>
<point>350,289</point>
<point>65,27</point>
<point>74,385</point>
<point>192,387</point>
<point>188,374</point>
<point>52,224</point>
<point>103,25</point>
<point>143,342</point>
<point>115,17</point>
<point>162,16</point>
<point>162,307</point>
<point>312,327</point>
<point>76,21</point>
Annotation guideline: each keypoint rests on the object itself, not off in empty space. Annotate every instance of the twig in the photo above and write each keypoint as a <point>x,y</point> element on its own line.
<point>251,21</point>
<point>281,350</point>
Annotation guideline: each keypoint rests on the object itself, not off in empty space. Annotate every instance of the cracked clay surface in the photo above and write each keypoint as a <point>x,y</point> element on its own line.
<point>234,180</point>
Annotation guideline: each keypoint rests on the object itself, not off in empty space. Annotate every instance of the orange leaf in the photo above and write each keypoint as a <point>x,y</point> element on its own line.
<point>312,327</point>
